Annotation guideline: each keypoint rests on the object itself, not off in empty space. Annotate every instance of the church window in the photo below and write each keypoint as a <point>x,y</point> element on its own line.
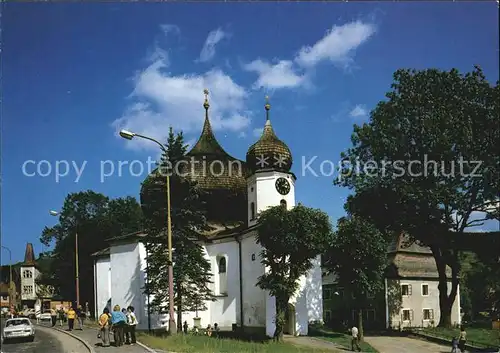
<point>252,210</point>
<point>283,203</point>
<point>222,274</point>
<point>27,274</point>
<point>251,189</point>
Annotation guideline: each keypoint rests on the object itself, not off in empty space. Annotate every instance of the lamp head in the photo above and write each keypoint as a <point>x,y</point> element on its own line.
<point>127,134</point>
<point>53,213</point>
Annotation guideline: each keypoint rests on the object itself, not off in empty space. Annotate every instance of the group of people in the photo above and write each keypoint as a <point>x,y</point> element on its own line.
<point>209,331</point>
<point>70,315</point>
<point>121,322</point>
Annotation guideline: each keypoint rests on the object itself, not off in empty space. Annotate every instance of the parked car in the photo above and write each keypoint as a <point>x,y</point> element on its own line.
<point>44,316</point>
<point>29,313</point>
<point>19,328</point>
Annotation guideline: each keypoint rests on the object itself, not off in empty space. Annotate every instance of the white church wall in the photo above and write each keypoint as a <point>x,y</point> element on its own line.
<point>254,298</point>
<point>126,277</point>
<point>102,271</point>
<point>314,292</point>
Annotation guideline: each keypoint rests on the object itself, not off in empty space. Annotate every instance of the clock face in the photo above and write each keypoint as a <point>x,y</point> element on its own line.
<point>282,186</point>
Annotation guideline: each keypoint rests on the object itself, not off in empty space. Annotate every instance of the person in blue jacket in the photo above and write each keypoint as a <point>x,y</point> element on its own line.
<point>118,322</point>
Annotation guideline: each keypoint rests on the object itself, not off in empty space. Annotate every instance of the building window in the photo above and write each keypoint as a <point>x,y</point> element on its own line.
<point>253,257</point>
<point>406,290</point>
<point>425,290</point>
<point>407,315</point>
<point>252,210</point>
<point>251,189</point>
<point>283,203</point>
<point>28,289</point>
<point>222,272</point>
<point>27,274</point>
<point>327,293</point>
<point>428,314</point>
<point>369,315</point>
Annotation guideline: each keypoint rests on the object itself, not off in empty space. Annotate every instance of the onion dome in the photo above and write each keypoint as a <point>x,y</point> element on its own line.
<point>269,152</point>
<point>219,177</point>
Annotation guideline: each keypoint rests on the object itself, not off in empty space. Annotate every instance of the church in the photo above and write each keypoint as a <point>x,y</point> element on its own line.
<point>236,192</point>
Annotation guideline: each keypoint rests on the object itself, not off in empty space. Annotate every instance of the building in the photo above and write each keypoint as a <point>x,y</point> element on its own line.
<point>4,295</point>
<point>236,191</point>
<point>29,273</point>
<point>410,297</point>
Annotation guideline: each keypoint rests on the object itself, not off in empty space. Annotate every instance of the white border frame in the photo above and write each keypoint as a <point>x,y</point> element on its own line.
<point>422,289</point>
<point>402,316</point>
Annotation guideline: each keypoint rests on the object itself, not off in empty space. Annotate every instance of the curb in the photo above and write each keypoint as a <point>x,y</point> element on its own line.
<point>81,340</point>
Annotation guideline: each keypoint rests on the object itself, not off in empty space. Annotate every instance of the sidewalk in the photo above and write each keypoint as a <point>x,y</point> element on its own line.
<point>89,334</point>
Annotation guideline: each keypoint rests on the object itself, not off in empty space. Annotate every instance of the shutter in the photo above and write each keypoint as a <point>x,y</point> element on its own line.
<point>409,289</point>
<point>431,314</point>
<point>411,315</point>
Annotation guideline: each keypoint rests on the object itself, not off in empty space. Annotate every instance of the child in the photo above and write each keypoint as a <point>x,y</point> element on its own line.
<point>454,345</point>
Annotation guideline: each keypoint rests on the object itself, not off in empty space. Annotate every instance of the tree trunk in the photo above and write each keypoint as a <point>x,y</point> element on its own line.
<point>281,308</point>
<point>360,325</point>
<point>446,301</point>
<point>179,309</point>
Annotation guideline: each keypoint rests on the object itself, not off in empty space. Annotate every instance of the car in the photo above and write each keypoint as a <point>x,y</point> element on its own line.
<point>18,328</point>
<point>45,315</point>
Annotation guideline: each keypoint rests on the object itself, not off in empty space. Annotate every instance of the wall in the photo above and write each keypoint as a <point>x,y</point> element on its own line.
<point>102,271</point>
<point>417,302</point>
<point>254,298</point>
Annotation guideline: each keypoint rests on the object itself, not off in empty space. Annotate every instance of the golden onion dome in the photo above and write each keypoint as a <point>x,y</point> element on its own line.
<point>269,152</point>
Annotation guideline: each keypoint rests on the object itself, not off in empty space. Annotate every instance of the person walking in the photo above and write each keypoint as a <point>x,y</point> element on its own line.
<point>118,321</point>
<point>355,339</point>
<point>104,325</point>
<point>132,323</point>
<point>462,339</point>
<point>53,316</point>
<point>79,317</point>
<point>60,315</point>
<point>71,318</point>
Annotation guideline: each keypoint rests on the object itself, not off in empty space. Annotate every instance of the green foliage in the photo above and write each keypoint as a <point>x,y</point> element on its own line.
<point>192,275</point>
<point>358,257</point>
<point>291,239</point>
<point>450,121</point>
<point>96,218</point>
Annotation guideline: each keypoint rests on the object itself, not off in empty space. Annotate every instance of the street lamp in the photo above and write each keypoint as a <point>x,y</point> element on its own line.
<point>171,322</point>
<point>77,271</point>
<point>10,276</point>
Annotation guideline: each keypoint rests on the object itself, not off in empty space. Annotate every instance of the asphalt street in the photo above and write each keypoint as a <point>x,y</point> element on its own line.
<point>46,340</point>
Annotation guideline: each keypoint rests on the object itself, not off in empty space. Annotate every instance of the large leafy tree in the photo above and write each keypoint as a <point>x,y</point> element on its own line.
<point>96,218</point>
<point>192,271</point>
<point>426,161</point>
<point>358,258</point>
<point>291,240</point>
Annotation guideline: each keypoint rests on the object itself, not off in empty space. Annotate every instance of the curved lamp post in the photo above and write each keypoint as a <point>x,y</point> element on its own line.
<point>171,322</point>
<point>10,275</point>
<point>77,271</point>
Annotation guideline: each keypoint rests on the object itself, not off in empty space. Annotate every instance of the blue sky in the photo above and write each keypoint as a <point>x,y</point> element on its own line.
<point>73,74</point>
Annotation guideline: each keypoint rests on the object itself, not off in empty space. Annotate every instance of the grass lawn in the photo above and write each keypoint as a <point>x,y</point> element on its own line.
<point>202,344</point>
<point>481,337</point>
<point>340,339</point>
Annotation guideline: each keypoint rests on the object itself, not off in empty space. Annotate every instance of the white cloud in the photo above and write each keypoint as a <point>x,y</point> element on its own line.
<point>358,112</point>
<point>208,51</point>
<point>257,132</point>
<point>280,75</point>
<point>337,46</point>
<point>161,100</point>
<point>170,29</point>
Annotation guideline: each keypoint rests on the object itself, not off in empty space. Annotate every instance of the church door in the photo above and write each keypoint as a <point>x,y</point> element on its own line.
<point>289,328</point>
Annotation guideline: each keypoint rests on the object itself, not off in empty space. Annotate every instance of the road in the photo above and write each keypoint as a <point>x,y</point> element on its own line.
<point>46,340</point>
<point>405,345</point>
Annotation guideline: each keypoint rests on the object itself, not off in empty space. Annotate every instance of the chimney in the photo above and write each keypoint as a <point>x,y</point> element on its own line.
<point>29,255</point>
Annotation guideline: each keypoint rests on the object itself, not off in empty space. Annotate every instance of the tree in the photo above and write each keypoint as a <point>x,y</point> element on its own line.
<point>96,218</point>
<point>358,258</point>
<point>426,161</point>
<point>291,239</point>
<point>192,275</point>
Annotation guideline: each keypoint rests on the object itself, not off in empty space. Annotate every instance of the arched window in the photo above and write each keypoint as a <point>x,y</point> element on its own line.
<point>27,274</point>
<point>252,210</point>
<point>222,274</point>
<point>283,203</point>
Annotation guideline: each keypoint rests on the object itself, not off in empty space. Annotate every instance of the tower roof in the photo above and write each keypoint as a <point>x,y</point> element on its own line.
<point>269,152</point>
<point>29,255</point>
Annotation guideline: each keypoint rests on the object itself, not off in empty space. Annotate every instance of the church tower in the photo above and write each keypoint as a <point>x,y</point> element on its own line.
<point>269,182</point>
<point>29,273</point>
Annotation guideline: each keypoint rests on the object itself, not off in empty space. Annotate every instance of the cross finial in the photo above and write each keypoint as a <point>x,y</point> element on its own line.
<point>206,105</point>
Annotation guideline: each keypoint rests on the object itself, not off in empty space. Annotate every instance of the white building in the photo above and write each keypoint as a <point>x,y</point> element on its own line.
<point>29,273</point>
<point>236,192</point>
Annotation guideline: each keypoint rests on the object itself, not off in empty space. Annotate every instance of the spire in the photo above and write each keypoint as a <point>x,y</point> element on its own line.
<point>29,255</point>
<point>267,107</point>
